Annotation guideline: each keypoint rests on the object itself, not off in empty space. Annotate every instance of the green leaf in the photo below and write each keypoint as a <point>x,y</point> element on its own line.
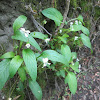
<point>53,14</point>
<point>76,27</point>
<point>20,36</point>
<point>62,73</point>
<point>74,55</point>
<point>54,56</point>
<point>86,41</point>
<point>66,52</point>
<point>58,73</point>
<point>75,67</point>
<point>36,89</point>
<point>63,39</point>
<point>19,22</point>
<point>66,23</point>
<point>38,35</point>
<point>30,62</point>
<point>80,18</point>
<point>8,55</point>
<point>20,86</point>
<point>14,65</point>
<point>72,82</point>
<point>4,72</point>
<point>22,74</point>
<point>66,80</point>
<point>85,30</point>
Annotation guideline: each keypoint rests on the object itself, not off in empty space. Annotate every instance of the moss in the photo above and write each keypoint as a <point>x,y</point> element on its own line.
<point>87,23</point>
<point>74,3</point>
<point>97,12</point>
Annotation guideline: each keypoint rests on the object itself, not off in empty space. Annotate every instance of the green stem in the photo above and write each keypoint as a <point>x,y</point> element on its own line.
<point>71,20</point>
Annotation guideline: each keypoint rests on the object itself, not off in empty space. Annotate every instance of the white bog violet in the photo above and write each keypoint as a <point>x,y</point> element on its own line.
<point>80,22</point>
<point>76,22</point>
<point>26,35</point>
<point>47,40</point>
<point>79,67</point>
<point>77,59</point>
<point>45,61</point>
<point>71,23</point>
<point>71,26</point>
<point>26,32</point>
<point>22,29</point>
<point>9,98</point>
<point>27,45</point>
<point>76,38</point>
<point>60,31</point>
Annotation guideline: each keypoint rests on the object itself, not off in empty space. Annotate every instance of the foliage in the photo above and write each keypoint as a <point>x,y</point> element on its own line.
<point>59,57</point>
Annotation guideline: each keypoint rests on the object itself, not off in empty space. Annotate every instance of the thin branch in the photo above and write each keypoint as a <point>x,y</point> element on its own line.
<point>64,16</point>
<point>37,24</point>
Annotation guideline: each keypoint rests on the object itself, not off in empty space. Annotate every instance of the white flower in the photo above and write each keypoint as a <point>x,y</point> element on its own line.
<point>22,29</point>
<point>26,32</point>
<point>60,31</point>
<point>71,23</point>
<point>76,22</point>
<point>38,91</point>
<point>71,27</point>
<point>72,63</point>
<point>45,61</point>
<point>77,59</point>
<point>47,40</point>
<point>9,98</point>
<point>3,97</point>
<point>76,38</point>
<point>26,35</point>
<point>79,66</point>
<point>80,22</point>
<point>27,45</point>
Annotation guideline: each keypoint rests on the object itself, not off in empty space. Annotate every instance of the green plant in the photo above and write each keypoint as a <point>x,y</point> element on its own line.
<point>64,61</point>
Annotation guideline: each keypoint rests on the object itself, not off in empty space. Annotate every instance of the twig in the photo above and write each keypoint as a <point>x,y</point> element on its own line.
<point>38,25</point>
<point>64,16</point>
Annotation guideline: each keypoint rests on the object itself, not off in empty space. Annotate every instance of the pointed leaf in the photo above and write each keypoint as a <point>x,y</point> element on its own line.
<point>75,67</point>
<point>54,56</point>
<point>74,55</point>
<point>30,62</point>
<point>76,27</point>
<point>66,52</point>
<point>72,82</point>
<point>4,72</point>
<point>38,35</point>
<point>19,22</point>
<point>20,36</point>
<point>85,30</point>
<point>66,80</point>
<point>22,74</point>
<point>80,18</point>
<point>62,73</point>
<point>36,89</point>
<point>86,41</point>
<point>14,65</point>
<point>53,14</point>
<point>8,55</point>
